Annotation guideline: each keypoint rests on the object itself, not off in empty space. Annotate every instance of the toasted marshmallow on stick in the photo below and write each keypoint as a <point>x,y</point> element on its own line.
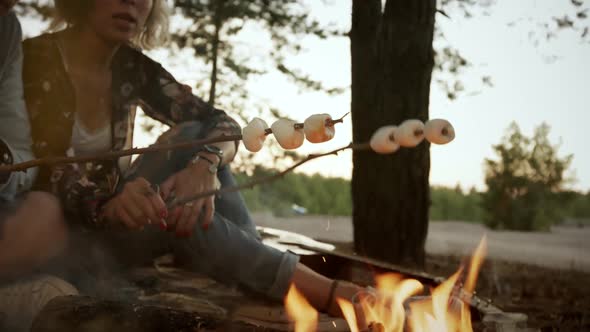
<point>383,140</point>
<point>287,135</point>
<point>439,131</point>
<point>410,133</point>
<point>253,135</point>
<point>316,130</point>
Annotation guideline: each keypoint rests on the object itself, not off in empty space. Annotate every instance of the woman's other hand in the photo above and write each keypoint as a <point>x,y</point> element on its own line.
<point>137,205</point>
<point>194,179</point>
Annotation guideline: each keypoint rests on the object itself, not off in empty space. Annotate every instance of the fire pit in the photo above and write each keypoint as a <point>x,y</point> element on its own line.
<point>406,300</point>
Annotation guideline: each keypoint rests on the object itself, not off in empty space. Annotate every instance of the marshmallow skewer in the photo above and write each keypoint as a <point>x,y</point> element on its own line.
<point>383,142</point>
<point>443,128</point>
<point>49,161</point>
<point>387,132</point>
<point>290,135</point>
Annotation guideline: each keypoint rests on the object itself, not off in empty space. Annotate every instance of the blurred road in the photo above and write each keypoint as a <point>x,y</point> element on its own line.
<point>562,248</point>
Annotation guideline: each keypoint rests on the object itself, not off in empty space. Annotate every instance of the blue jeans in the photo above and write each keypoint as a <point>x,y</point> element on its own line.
<point>230,250</point>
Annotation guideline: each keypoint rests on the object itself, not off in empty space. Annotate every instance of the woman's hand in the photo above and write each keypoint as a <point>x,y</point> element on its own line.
<point>137,205</point>
<point>194,179</point>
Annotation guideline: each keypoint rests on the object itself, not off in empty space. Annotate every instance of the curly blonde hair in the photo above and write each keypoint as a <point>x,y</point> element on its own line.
<point>154,33</point>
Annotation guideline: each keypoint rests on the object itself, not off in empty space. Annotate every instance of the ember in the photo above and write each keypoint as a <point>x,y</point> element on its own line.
<point>398,304</point>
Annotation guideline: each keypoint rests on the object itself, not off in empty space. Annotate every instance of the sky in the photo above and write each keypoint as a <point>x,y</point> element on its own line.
<point>532,84</point>
<point>534,81</point>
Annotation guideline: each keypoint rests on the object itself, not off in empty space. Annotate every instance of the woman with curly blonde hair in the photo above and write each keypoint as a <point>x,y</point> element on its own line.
<point>82,85</point>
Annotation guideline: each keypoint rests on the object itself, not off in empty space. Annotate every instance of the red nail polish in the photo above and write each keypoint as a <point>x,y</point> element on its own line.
<point>205,227</point>
<point>164,214</point>
<point>163,226</point>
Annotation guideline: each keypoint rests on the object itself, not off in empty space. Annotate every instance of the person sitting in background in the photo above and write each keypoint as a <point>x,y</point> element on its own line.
<point>28,238</point>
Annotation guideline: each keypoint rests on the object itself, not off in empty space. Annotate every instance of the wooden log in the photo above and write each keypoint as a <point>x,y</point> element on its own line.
<point>86,314</point>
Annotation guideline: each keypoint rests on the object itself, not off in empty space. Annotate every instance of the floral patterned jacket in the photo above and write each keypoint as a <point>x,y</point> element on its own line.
<point>136,81</point>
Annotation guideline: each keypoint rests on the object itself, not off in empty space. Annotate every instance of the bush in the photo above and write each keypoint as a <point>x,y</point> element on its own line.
<point>525,184</point>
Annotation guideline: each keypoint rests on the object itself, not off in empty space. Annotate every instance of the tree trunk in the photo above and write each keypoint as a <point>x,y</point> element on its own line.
<point>392,61</point>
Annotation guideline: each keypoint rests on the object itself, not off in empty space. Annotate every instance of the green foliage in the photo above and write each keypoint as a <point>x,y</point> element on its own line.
<point>578,208</point>
<point>214,36</point>
<point>454,204</point>
<point>331,196</point>
<point>318,194</point>
<point>525,184</point>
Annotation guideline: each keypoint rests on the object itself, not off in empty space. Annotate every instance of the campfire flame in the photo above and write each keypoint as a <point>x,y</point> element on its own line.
<point>300,311</point>
<point>349,314</point>
<point>475,265</point>
<point>434,313</point>
<point>396,304</point>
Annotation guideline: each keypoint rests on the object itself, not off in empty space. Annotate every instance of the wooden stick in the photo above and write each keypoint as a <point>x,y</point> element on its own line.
<point>116,154</point>
<point>267,179</point>
<point>122,153</point>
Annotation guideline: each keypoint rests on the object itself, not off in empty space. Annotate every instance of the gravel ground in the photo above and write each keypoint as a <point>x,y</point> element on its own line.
<point>562,248</point>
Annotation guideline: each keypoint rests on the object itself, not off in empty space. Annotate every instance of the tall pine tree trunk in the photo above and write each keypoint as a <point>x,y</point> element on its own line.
<point>392,61</point>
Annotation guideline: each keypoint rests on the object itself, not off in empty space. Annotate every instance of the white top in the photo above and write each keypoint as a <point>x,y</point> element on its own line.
<point>85,142</point>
